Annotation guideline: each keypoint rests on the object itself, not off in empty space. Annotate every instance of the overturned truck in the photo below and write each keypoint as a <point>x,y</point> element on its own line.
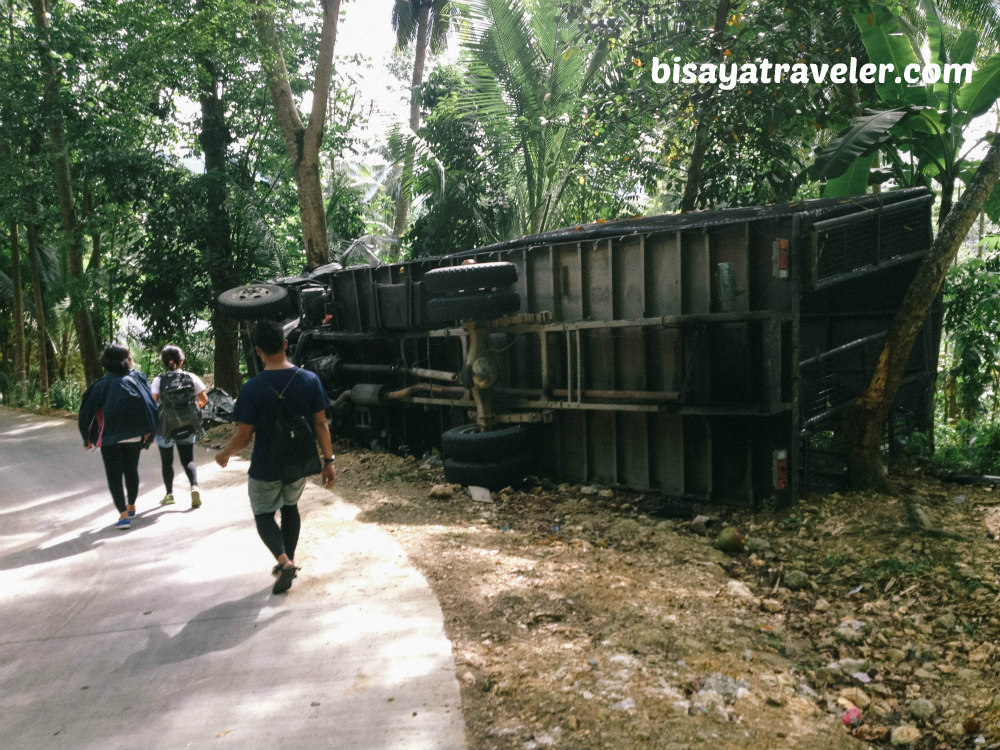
<point>707,357</point>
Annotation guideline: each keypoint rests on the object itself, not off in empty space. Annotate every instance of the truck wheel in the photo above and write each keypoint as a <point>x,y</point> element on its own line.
<point>254,301</point>
<point>470,278</point>
<point>495,474</point>
<point>471,442</point>
<point>478,305</point>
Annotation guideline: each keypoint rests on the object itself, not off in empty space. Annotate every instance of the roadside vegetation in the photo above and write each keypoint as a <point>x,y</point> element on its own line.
<point>154,154</point>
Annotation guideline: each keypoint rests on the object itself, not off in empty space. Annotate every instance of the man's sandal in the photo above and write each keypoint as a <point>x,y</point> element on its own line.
<point>284,582</point>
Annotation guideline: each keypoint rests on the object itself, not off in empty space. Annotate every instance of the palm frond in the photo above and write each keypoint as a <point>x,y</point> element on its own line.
<point>981,14</point>
<point>404,23</point>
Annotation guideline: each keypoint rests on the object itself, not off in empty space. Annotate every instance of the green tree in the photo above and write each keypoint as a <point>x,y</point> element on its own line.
<point>302,141</point>
<point>932,121</point>
<point>919,129</point>
<point>701,144</point>
<point>465,205</point>
<point>59,157</point>
<point>972,307</point>
<point>424,24</point>
<point>865,420</point>
<point>531,67</point>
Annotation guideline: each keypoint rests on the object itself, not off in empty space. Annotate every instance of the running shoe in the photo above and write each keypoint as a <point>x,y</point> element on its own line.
<point>126,523</point>
<point>168,499</point>
<point>195,498</point>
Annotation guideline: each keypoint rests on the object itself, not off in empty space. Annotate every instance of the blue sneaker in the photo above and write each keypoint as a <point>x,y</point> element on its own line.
<point>131,511</point>
<point>123,523</point>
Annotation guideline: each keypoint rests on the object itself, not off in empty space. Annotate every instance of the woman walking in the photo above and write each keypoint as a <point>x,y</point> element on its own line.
<point>117,415</point>
<point>186,397</point>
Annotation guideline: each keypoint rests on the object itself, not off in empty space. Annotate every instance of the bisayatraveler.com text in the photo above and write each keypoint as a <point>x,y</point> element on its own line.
<point>730,75</point>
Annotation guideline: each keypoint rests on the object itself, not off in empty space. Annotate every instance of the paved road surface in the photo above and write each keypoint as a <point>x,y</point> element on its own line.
<point>168,636</point>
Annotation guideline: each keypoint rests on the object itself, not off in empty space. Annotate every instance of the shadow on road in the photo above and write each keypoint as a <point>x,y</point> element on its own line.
<point>85,542</point>
<point>218,628</point>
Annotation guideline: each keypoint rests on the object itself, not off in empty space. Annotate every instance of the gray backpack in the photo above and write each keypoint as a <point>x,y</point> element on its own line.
<point>180,416</point>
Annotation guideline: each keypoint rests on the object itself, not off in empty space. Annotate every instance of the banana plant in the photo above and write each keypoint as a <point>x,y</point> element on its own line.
<point>922,129</point>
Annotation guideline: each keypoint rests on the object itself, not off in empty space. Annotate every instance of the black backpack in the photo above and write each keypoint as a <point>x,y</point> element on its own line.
<point>180,416</point>
<point>293,442</point>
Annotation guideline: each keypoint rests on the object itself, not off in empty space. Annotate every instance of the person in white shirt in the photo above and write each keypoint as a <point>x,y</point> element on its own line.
<point>173,360</point>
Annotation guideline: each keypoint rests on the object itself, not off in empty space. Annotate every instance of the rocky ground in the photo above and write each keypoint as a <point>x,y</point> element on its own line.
<point>580,618</point>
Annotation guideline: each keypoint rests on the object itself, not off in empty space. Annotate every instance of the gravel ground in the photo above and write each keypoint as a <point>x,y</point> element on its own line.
<point>580,618</point>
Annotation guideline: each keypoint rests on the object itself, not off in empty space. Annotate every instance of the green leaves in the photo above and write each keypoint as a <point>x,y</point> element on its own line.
<point>886,43</point>
<point>531,70</point>
<point>862,138</point>
<point>982,92</point>
<point>923,130</point>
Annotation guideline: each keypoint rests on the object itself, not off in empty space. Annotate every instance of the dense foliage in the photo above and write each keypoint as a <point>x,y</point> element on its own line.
<point>548,113</point>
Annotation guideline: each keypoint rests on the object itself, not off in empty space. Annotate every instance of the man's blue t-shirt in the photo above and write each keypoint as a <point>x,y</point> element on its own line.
<point>257,401</point>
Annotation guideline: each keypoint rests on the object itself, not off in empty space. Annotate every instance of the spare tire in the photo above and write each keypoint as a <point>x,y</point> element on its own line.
<point>254,301</point>
<point>478,305</point>
<point>494,474</point>
<point>470,278</point>
<point>471,442</point>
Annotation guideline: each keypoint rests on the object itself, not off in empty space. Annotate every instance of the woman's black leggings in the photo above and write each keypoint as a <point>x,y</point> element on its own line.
<point>186,454</point>
<point>121,461</point>
<point>285,539</point>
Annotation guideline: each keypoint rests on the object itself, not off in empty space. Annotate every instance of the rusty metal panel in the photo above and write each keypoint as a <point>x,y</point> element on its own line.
<point>731,460</point>
<point>730,269</point>
<point>697,457</point>
<point>633,449</point>
<point>696,273</point>
<point>602,447</point>
<point>664,359</point>
<point>598,293</point>
<point>628,278</point>
<point>666,460</point>
<point>570,277</point>
<point>540,281</point>
<point>631,367</point>
<point>663,274</point>
<point>696,385</point>
<point>571,442</point>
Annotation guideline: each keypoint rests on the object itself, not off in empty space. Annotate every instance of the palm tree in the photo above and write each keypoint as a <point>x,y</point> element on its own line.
<point>531,67</point>
<point>426,23</point>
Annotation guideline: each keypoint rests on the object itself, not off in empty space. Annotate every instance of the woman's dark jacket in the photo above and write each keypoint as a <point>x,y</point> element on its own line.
<point>117,408</point>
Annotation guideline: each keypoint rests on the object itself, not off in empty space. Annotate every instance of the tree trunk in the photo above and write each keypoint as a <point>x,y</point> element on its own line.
<point>20,364</point>
<point>419,59</point>
<point>95,236</point>
<point>302,142</point>
<point>947,201</point>
<point>865,421</point>
<point>72,236</point>
<point>36,284</point>
<point>217,249</point>
<point>692,186</point>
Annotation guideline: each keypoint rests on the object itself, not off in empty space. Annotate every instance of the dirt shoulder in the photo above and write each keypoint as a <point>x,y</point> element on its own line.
<point>579,618</point>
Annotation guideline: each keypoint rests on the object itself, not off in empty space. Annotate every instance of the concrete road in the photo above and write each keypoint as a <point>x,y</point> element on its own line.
<point>168,636</point>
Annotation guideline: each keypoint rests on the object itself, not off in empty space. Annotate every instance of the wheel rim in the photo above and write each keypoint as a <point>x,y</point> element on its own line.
<point>254,293</point>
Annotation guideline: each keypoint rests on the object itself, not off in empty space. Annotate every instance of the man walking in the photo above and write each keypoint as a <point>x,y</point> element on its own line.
<point>255,415</point>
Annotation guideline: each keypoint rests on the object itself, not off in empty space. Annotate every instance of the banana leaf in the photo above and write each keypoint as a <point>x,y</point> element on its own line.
<point>861,138</point>
<point>979,94</point>
<point>881,35</point>
<point>854,181</point>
